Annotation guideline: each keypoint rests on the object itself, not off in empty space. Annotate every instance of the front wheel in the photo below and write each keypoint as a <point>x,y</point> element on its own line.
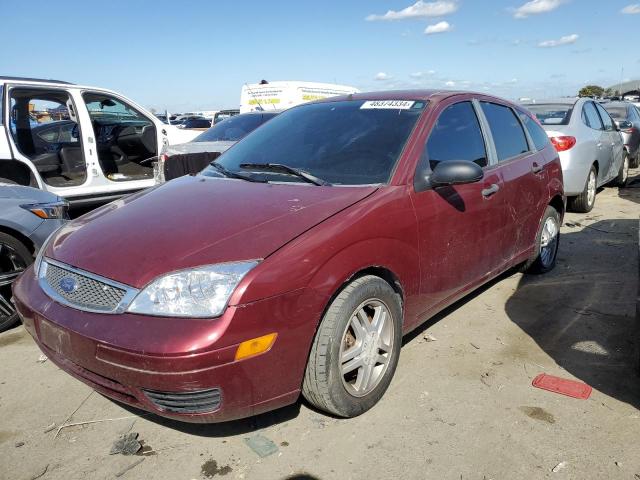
<point>623,173</point>
<point>547,242</point>
<point>14,258</point>
<point>356,349</point>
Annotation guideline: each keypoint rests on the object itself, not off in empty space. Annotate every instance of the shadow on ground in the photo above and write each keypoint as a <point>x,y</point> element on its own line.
<point>583,313</point>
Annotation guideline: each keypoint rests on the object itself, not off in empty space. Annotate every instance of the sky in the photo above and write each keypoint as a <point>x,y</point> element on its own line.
<point>196,54</point>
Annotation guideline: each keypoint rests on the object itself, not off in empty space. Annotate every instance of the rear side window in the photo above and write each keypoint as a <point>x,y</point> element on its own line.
<point>457,136</point>
<point>506,130</point>
<point>590,116</point>
<point>536,132</point>
<point>606,119</point>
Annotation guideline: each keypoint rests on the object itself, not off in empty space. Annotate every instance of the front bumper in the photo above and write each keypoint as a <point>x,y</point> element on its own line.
<point>156,363</point>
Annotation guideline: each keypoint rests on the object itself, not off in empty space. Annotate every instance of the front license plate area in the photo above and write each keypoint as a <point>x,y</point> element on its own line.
<point>55,338</point>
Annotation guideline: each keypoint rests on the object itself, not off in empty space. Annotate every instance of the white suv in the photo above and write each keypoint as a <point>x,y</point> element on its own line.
<point>86,144</point>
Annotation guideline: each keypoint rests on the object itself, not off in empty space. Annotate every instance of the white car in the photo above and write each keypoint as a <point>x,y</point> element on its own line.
<point>86,144</point>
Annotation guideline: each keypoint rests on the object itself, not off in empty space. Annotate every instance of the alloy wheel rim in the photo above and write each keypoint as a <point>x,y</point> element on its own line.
<point>366,347</point>
<point>591,188</point>
<point>11,266</point>
<point>548,241</point>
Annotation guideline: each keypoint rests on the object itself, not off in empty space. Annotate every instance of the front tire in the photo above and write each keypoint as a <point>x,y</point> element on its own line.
<point>356,349</point>
<point>623,173</point>
<point>547,243</point>
<point>14,258</point>
<point>584,202</point>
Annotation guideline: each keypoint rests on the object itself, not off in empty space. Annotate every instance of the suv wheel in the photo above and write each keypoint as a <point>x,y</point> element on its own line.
<point>14,258</point>
<point>547,243</point>
<point>356,349</point>
<point>584,202</point>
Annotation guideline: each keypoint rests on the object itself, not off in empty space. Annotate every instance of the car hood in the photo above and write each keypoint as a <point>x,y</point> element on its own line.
<point>198,147</point>
<point>194,221</point>
<point>26,194</point>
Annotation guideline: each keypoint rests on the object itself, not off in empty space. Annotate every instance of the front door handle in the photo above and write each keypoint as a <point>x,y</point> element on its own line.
<point>487,192</point>
<point>536,168</point>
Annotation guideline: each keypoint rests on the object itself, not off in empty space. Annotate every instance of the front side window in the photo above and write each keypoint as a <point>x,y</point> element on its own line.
<point>591,116</point>
<point>508,136</point>
<point>352,142</point>
<point>617,113</point>
<point>606,119</point>
<point>1,105</point>
<point>457,136</point>
<point>536,132</point>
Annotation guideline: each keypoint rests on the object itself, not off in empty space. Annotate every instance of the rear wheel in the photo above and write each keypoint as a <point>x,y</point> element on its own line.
<point>356,349</point>
<point>584,202</point>
<point>14,258</point>
<point>547,243</point>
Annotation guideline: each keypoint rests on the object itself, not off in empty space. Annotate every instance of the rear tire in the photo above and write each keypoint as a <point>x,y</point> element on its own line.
<point>14,257</point>
<point>356,349</point>
<point>584,202</point>
<point>547,242</point>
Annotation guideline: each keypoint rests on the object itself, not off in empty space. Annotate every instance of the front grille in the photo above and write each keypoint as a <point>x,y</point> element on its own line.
<point>81,290</point>
<point>201,401</point>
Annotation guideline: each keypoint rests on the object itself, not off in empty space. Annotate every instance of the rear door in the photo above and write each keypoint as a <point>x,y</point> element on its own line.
<point>524,175</point>
<point>460,227</point>
<point>603,146</point>
<point>613,142</point>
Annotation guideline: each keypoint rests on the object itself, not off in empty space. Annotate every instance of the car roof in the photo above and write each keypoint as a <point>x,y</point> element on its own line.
<point>37,82</point>
<point>553,101</point>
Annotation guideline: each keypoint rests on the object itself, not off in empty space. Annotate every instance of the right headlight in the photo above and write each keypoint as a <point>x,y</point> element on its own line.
<point>200,292</point>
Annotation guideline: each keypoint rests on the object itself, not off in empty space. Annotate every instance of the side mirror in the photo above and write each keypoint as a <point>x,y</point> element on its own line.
<point>624,125</point>
<point>455,172</point>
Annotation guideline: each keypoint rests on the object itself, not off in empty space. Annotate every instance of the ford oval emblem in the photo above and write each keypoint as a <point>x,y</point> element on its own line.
<point>68,284</point>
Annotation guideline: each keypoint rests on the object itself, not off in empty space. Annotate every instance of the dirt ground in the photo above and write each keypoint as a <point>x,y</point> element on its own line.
<point>459,407</point>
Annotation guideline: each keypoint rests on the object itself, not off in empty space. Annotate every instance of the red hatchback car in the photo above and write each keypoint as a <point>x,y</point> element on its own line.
<point>296,262</point>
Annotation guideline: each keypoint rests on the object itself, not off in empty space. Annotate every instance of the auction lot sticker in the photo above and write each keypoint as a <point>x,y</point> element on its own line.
<point>388,104</point>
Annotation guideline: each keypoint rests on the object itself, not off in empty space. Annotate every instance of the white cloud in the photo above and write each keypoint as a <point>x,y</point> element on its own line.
<point>631,9</point>
<point>382,77</point>
<point>419,75</point>
<point>566,40</point>
<point>535,7</point>
<point>440,27</point>
<point>450,83</point>
<point>420,9</point>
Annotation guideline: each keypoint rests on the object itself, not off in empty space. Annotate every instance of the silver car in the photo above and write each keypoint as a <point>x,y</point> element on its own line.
<point>627,118</point>
<point>27,217</point>
<point>589,144</point>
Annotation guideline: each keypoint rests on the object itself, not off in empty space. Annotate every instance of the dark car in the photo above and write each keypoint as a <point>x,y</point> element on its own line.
<point>627,118</point>
<point>297,261</point>
<point>191,157</point>
<point>199,123</point>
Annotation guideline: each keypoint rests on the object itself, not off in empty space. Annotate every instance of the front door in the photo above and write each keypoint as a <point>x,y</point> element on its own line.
<point>613,141</point>
<point>460,227</point>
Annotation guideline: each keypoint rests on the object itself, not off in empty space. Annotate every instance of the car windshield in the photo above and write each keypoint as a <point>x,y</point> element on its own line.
<point>351,142</point>
<point>617,113</point>
<point>232,129</point>
<point>552,114</point>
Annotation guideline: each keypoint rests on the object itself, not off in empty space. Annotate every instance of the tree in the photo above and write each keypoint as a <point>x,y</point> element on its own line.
<point>591,91</point>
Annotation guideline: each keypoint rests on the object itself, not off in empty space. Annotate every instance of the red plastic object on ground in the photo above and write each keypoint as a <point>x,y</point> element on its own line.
<point>571,388</point>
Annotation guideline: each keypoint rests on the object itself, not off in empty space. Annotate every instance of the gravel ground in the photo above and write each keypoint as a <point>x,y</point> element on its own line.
<point>460,407</point>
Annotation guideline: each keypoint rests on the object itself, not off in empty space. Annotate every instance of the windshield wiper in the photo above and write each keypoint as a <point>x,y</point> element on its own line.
<point>280,168</point>
<point>230,174</point>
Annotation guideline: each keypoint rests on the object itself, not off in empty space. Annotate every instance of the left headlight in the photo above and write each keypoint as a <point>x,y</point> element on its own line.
<point>48,211</point>
<point>201,292</point>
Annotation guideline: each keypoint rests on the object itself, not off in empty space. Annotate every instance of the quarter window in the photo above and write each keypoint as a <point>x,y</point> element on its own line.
<point>591,115</point>
<point>506,130</point>
<point>457,136</point>
<point>536,132</point>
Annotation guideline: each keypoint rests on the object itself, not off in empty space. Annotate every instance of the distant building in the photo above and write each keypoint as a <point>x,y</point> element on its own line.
<point>631,88</point>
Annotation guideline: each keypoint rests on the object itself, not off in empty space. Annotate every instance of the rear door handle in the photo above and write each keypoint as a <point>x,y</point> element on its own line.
<point>536,168</point>
<point>487,192</point>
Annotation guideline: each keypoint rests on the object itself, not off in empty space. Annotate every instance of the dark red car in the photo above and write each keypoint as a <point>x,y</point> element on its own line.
<point>298,260</point>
